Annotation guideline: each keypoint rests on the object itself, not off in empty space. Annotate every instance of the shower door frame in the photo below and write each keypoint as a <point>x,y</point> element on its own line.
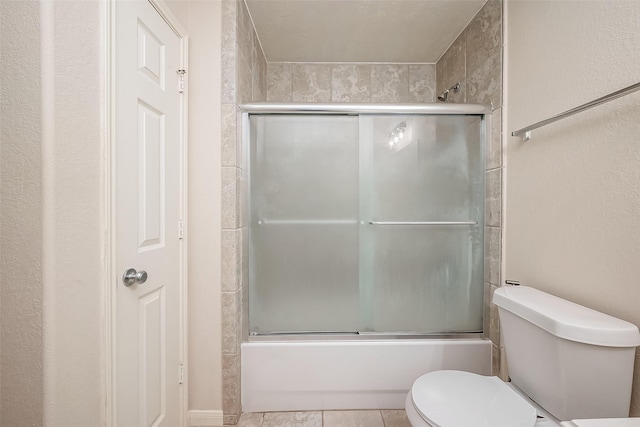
<point>267,108</point>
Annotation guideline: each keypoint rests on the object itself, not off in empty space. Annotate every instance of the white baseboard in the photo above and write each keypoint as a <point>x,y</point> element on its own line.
<point>205,418</point>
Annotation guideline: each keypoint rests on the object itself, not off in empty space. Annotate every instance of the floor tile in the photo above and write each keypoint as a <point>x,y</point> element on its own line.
<point>251,419</point>
<point>292,419</point>
<point>352,419</point>
<point>395,418</point>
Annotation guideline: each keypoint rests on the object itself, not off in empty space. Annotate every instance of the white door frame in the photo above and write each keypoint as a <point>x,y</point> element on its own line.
<point>111,277</point>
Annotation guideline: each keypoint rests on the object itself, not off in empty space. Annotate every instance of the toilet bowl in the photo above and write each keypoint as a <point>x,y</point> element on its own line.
<point>570,366</point>
<point>472,400</point>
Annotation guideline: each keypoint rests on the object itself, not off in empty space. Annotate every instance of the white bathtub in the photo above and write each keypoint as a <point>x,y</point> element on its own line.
<point>324,375</point>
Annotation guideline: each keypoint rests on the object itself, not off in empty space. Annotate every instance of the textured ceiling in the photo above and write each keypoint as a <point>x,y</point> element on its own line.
<point>395,31</point>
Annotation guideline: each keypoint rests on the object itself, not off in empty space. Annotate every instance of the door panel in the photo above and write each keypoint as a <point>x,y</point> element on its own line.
<point>147,170</point>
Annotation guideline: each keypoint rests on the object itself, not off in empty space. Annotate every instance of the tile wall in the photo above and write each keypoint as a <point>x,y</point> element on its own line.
<point>244,76</point>
<point>355,83</point>
<point>475,61</point>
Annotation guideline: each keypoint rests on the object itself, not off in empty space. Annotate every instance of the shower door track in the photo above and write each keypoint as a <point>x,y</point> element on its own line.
<point>361,336</point>
<point>434,109</point>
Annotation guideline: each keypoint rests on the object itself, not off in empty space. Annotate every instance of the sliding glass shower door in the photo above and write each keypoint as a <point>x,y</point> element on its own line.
<point>303,224</point>
<point>366,224</point>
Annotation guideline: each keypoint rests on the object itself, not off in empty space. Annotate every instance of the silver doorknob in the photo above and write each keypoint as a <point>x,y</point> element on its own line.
<point>131,277</point>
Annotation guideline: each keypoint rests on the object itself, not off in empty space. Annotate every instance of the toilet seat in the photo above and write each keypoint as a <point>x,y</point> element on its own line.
<point>463,399</point>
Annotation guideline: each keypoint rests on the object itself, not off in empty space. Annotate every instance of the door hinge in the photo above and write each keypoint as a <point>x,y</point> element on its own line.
<point>181,374</point>
<point>181,74</point>
<point>181,229</point>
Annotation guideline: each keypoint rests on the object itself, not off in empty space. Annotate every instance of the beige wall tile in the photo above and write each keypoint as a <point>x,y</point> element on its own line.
<point>352,419</point>
<point>230,326</point>
<point>451,68</point>
<point>484,34</point>
<point>255,54</point>
<point>229,145</point>
<point>257,95</point>
<point>351,83</point>
<point>230,420</point>
<point>495,360</point>
<point>390,83</point>
<point>229,59</point>
<point>231,386</point>
<point>292,419</point>
<point>494,323</point>
<point>229,14</point>
<point>229,52</point>
<point>395,418</point>
<point>230,205</point>
<point>486,311</point>
<point>493,194</point>
<point>239,315</point>
<point>492,255</point>
<point>245,30</point>
<point>484,84</point>
<point>260,72</point>
<point>279,83</point>
<point>503,372</point>
<point>494,147</point>
<point>231,260</point>
<point>422,83</point>
<point>244,80</point>
<point>311,82</point>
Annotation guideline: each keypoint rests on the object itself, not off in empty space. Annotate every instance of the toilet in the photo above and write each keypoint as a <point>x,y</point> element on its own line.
<point>570,366</point>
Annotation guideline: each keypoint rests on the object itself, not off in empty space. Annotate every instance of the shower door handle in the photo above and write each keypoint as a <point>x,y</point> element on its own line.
<point>372,222</point>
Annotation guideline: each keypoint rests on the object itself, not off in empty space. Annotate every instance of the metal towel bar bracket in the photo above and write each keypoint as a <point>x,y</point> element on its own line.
<point>525,133</point>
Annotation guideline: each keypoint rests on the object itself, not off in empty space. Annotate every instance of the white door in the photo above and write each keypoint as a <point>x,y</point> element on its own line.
<point>147,198</point>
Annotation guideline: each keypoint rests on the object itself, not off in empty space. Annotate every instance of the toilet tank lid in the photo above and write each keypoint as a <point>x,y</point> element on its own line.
<point>566,319</point>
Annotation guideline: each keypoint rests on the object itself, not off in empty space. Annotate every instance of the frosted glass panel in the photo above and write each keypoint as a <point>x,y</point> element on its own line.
<point>304,224</point>
<point>317,264</point>
<point>422,278</point>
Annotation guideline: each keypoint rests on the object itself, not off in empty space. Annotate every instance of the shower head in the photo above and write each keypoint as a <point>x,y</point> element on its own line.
<point>444,95</point>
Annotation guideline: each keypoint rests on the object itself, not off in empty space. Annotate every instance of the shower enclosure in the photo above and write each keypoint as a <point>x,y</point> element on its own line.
<point>365,220</point>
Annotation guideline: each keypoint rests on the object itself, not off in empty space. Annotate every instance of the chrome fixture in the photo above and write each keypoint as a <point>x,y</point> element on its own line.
<point>131,277</point>
<point>444,95</point>
<point>525,133</point>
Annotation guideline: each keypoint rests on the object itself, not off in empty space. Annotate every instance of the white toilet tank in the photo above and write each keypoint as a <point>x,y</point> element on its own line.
<point>573,361</point>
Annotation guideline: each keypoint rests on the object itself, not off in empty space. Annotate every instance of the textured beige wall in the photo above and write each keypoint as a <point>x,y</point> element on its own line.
<point>51,229</point>
<point>20,215</point>
<point>72,248</point>
<point>205,354</point>
<point>573,191</point>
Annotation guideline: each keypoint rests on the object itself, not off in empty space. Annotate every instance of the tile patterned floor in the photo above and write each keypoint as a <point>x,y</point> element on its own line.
<point>383,418</point>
